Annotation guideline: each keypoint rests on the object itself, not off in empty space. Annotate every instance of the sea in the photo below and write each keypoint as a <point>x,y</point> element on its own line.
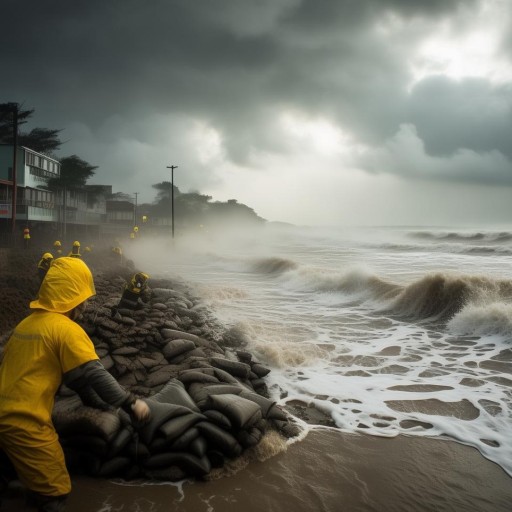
<point>400,336</point>
<point>387,331</point>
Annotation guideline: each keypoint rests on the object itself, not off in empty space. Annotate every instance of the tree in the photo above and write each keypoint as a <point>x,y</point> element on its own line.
<point>42,140</point>
<point>164,191</point>
<point>74,173</point>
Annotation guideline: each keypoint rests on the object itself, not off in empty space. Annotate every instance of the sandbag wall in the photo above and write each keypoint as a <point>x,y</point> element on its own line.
<point>208,404</point>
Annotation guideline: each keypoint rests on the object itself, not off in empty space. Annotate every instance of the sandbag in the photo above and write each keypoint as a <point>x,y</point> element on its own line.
<point>260,370</point>
<point>249,438</point>
<point>240,411</point>
<point>88,421</point>
<point>174,392</point>
<point>160,413</point>
<point>181,443</point>
<point>197,376</point>
<point>113,467</point>
<point>120,441</point>
<point>265,403</point>
<point>235,368</point>
<point>200,392</point>
<point>219,438</point>
<point>175,427</point>
<point>198,446</point>
<point>177,347</point>
<point>218,418</point>
<point>190,463</point>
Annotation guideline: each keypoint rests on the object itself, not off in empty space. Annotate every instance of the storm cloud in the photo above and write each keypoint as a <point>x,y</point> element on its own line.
<point>236,91</point>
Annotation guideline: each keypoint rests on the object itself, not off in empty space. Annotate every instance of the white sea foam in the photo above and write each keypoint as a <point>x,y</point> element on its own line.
<point>383,340</point>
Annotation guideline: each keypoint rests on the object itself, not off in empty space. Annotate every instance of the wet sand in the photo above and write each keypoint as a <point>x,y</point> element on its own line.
<point>326,471</point>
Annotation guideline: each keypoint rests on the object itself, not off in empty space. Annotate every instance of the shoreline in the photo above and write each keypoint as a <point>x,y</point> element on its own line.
<point>364,473</point>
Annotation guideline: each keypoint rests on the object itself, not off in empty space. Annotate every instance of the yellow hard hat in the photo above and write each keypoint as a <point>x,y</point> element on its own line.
<point>76,243</point>
<point>57,243</point>
<point>67,284</point>
<point>47,256</point>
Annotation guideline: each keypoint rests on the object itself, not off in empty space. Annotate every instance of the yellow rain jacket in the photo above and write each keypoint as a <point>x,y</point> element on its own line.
<point>42,347</point>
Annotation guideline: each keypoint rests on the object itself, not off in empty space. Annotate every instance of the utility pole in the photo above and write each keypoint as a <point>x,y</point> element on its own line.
<point>172,167</point>
<point>135,209</point>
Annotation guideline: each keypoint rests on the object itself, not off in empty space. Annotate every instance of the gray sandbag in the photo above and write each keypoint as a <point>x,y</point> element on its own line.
<point>190,463</point>
<point>241,412</point>
<point>197,376</point>
<point>172,334</point>
<point>176,347</point>
<point>235,368</point>
<point>107,362</point>
<point>120,441</point>
<point>259,370</point>
<point>198,446</point>
<point>88,421</point>
<point>276,413</point>
<point>125,351</point>
<point>196,353</point>
<point>182,442</point>
<point>200,392</point>
<point>137,450</point>
<point>174,392</point>
<point>176,426</point>
<point>160,413</point>
<point>218,418</point>
<point>265,403</point>
<point>224,376</point>
<point>220,439</point>
<point>113,467</point>
<point>216,458</point>
<point>249,438</point>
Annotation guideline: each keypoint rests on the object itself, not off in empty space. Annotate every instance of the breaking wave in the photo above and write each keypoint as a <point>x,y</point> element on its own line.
<point>273,265</point>
<point>503,236</point>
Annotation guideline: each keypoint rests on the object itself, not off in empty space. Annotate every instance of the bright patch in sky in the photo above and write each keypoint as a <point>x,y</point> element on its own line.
<point>466,47</point>
<point>322,135</point>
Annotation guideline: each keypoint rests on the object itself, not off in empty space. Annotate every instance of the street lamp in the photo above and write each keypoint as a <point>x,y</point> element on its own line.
<point>172,167</point>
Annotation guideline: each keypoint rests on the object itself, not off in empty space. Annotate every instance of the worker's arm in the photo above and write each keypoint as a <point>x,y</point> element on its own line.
<point>97,386</point>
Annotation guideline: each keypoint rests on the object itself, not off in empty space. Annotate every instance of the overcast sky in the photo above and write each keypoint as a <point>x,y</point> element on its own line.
<point>309,111</point>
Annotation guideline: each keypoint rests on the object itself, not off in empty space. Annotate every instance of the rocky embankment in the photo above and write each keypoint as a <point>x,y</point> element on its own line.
<point>208,396</point>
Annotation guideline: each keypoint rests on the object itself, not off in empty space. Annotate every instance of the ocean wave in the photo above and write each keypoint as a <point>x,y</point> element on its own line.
<point>355,282</point>
<point>503,236</point>
<point>273,265</point>
<point>485,320</point>
<point>440,296</point>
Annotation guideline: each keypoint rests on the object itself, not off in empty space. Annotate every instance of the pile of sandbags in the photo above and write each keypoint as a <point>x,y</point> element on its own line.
<point>208,404</point>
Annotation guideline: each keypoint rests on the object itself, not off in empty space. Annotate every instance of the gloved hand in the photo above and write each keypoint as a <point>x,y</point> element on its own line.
<point>141,411</point>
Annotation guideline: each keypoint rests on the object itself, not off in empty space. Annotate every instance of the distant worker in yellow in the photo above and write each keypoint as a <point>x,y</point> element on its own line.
<point>135,293</point>
<point>75,251</point>
<point>46,349</point>
<point>26,237</point>
<point>44,265</point>
<point>57,248</point>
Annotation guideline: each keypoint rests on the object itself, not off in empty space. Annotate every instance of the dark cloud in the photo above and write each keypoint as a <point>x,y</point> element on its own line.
<point>101,66</point>
<point>452,115</point>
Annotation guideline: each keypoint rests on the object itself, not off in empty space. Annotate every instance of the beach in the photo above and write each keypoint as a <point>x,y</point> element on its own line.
<point>412,452</point>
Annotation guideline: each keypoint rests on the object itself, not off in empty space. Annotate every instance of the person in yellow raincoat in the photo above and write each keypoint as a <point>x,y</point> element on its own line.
<point>45,349</point>
<point>44,265</point>
<point>75,250</point>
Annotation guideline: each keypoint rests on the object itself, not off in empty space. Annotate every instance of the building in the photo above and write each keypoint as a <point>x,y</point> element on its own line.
<point>62,213</point>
